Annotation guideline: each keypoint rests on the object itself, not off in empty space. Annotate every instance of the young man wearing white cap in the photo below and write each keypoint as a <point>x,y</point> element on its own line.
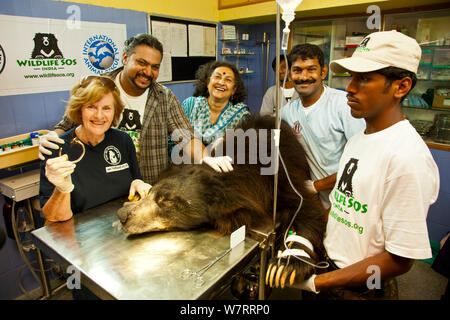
<point>387,178</point>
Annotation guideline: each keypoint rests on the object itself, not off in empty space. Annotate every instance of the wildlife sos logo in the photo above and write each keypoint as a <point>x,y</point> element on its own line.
<point>344,195</point>
<point>131,120</point>
<point>112,155</point>
<point>100,54</point>
<point>46,54</point>
<point>345,184</point>
<point>2,59</point>
<point>46,47</point>
<point>363,45</point>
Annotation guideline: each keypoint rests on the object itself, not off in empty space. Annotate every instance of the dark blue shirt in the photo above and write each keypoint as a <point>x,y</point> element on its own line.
<point>104,174</point>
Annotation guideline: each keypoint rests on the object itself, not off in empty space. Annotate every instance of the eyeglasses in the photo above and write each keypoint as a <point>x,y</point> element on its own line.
<point>105,81</point>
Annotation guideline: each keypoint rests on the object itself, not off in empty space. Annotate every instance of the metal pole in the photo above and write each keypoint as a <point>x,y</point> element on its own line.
<point>267,65</point>
<point>277,116</point>
<point>262,65</point>
<point>44,279</point>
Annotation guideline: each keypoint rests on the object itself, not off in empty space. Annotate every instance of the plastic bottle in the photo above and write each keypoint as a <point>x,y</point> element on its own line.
<point>34,138</point>
<point>7,211</point>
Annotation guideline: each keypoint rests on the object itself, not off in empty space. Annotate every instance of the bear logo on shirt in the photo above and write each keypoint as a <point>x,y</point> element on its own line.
<point>131,120</point>
<point>345,182</point>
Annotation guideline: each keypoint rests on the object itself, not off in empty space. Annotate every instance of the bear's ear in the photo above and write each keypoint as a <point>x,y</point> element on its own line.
<point>52,36</point>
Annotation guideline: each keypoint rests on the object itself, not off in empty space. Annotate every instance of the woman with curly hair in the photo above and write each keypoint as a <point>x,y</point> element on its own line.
<point>218,100</point>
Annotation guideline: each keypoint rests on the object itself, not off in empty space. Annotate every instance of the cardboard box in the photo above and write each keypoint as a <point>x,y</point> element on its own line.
<point>441,98</point>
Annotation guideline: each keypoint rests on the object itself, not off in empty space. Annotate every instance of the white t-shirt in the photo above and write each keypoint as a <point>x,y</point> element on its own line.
<point>385,184</point>
<point>288,93</point>
<point>323,130</point>
<point>133,114</point>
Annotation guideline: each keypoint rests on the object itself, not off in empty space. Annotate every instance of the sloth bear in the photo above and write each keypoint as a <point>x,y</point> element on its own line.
<point>46,47</point>
<point>131,120</point>
<point>189,196</point>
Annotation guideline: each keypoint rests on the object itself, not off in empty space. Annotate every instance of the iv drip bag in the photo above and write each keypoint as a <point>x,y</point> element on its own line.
<point>288,7</point>
<point>288,16</point>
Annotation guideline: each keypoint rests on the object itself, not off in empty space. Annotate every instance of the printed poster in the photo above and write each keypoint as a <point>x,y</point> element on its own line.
<point>46,55</point>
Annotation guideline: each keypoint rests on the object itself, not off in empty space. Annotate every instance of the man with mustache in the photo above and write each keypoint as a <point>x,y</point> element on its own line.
<point>160,111</point>
<point>377,231</point>
<point>320,119</point>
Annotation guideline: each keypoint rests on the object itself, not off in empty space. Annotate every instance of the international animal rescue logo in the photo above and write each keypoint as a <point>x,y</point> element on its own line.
<point>100,54</point>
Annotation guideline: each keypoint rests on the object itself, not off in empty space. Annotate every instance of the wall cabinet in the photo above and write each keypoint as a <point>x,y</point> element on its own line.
<point>238,51</point>
<point>428,105</point>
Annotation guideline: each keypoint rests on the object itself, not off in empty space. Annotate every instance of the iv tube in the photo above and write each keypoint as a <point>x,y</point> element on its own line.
<point>288,16</point>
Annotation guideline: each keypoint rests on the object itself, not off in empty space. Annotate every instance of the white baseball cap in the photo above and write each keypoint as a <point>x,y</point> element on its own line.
<point>379,50</point>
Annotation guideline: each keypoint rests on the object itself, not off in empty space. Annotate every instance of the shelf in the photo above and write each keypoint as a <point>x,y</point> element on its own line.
<point>442,80</point>
<point>429,109</point>
<point>238,54</point>
<point>235,40</point>
<point>440,67</point>
<point>246,72</point>
<point>435,47</point>
<point>311,35</point>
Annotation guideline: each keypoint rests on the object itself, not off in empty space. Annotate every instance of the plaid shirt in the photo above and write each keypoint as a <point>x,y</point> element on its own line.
<point>163,114</point>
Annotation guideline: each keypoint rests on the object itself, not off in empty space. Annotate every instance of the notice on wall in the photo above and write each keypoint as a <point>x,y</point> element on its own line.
<point>209,35</point>
<point>178,35</point>
<point>161,30</point>
<point>196,40</point>
<point>202,41</point>
<point>46,55</point>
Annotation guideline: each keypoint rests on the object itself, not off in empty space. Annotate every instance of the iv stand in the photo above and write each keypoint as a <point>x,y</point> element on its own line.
<point>272,235</point>
<point>277,115</point>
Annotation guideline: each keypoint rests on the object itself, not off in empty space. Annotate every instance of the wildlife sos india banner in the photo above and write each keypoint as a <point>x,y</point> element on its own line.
<point>45,55</point>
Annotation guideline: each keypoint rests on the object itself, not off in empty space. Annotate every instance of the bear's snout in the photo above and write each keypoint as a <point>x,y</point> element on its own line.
<point>122,214</point>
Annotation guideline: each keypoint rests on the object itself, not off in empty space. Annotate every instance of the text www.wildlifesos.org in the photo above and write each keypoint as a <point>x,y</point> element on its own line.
<point>48,75</point>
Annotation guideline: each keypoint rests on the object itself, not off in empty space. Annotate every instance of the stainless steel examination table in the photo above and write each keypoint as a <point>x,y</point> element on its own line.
<point>115,265</point>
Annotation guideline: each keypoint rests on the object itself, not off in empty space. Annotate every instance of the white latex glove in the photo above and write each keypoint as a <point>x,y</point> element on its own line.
<point>220,164</point>
<point>140,187</point>
<point>309,186</point>
<point>307,285</point>
<point>58,171</point>
<point>214,145</point>
<point>45,143</point>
